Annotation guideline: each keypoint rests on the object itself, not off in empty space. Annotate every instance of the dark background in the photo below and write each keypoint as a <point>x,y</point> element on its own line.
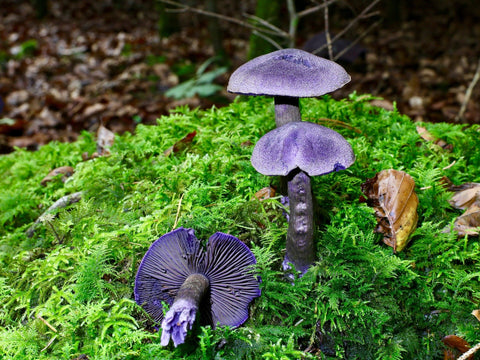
<point>74,65</point>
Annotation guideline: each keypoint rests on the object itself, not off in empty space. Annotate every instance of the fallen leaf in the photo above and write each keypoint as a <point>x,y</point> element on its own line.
<point>391,193</point>
<point>476,313</point>
<point>382,103</point>
<point>105,140</point>
<point>457,343</point>
<point>469,222</point>
<point>181,144</point>
<point>265,193</point>
<point>427,136</point>
<point>465,195</point>
<point>66,171</point>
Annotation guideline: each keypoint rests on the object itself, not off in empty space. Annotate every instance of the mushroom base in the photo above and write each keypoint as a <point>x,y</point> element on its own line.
<point>300,246</point>
<point>181,316</point>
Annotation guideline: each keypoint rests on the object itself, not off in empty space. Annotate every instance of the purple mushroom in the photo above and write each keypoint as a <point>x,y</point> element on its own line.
<point>287,75</point>
<point>216,281</point>
<point>299,150</point>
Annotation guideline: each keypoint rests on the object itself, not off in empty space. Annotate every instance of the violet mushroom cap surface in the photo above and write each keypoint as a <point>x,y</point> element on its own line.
<point>312,148</point>
<point>288,72</point>
<point>175,256</point>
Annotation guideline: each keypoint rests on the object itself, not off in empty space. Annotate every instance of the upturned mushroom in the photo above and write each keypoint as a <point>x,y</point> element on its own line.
<point>299,150</point>
<point>287,75</point>
<point>217,281</point>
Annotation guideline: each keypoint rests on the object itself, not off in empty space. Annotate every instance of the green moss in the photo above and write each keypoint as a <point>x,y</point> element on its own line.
<point>76,273</point>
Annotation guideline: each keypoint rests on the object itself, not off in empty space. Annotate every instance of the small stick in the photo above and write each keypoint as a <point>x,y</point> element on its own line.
<point>219,16</point>
<point>468,94</point>
<point>49,343</point>
<point>178,212</point>
<point>327,31</point>
<point>353,43</point>
<point>46,323</point>
<point>469,353</point>
<point>362,15</point>
<point>449,165</point>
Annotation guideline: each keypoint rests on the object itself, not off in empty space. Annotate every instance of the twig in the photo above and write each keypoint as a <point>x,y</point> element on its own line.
<point>327,32</point>
<point>362,15</point>
<point>46,323</point>
<point>468,94</point>
<point>370,28</point>
<point>64,201</point>
<point>219,16</point>
<point>178,212</point>
<point>268,39</point>
<point>49,343</point>
<point>469,353</point>
<point>315,8</point>
<point>268,25</point>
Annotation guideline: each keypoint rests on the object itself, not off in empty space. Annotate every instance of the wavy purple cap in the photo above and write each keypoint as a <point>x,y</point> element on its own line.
<point>226,263</point>
<point>288,72</point>
<point>312,148</point>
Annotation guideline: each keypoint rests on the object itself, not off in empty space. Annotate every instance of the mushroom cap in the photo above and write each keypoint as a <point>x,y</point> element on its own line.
<point>288,72</point>
<point>314,149</point>
<point>226,263</point>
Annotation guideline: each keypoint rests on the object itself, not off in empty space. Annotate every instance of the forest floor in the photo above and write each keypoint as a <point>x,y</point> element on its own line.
<point>91,63</point>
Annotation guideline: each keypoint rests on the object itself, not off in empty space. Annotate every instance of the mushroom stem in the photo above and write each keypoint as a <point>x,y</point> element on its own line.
<point>300,245</point>
<point>183,310</point>
<point>286,110</point>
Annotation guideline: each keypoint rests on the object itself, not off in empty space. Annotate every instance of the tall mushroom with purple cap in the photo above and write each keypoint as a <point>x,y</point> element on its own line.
<point>299,150</point>
<point>217,282</point>
<point>287,75</point>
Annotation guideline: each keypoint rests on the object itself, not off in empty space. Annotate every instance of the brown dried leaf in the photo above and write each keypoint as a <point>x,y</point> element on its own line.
<point>476,313</point>
<point>67,171</point>
<point>457,343</point>
<point>265,193</point>
<point>465,195</point>
<point>469,222</point>
<point>181,144</point>
<point>391,193</point>
<point>427,136</point>
<point>105,139</point>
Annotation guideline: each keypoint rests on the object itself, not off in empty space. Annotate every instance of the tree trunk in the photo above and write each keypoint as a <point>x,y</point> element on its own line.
<point>216,37</point>
<point>167,22</point>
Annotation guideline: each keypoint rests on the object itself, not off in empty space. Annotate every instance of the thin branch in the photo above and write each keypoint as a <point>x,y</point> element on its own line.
<point>46,323</point>
<point>269,25</point>
<point>178,211</point>
<point>268,39</point>
<point>327,32</point>
<point>468,94</point>
<point>216,15</point>
<point>362,15</point>
<point>370,28</point>
<point>49,343</point>
<point>315,8</point>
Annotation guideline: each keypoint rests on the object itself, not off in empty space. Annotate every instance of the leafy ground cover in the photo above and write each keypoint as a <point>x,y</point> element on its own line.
<point>66,291</point>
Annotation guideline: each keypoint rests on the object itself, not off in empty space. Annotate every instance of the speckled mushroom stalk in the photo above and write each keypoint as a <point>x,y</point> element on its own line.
<point>216,282</point>
<point>300,247</point>
<point>287,109</point>
<point>287,75</point>
<point>298,150</point>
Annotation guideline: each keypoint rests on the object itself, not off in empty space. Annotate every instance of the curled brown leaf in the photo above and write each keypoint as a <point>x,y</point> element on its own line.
<point>66,171</point>
<point>391,193</point>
